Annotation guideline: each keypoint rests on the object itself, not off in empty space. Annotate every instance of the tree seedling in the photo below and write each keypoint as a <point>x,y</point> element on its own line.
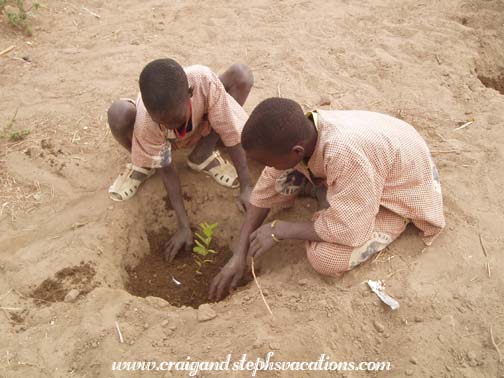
<point>202,247</point>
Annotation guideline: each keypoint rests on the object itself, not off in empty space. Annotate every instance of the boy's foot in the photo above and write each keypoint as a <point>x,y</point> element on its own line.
<point>318,192</point>
<point>127,183</point>
<point>221,170</point>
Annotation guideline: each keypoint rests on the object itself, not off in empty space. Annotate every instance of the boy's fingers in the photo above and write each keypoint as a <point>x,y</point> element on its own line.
<point>223,285</point>
<point>211,291</point>
<point>254,248</point>
<point>252,236</point>
<point>234,281</point>
<point>240,206</point>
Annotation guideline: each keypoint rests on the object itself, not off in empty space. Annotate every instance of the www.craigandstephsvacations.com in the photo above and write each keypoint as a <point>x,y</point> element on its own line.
<point>254,365</point>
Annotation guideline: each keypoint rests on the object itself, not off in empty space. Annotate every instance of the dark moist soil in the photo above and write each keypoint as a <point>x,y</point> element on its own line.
<point>496,83</point>
<point>153,276</point>
<point>55,289</point>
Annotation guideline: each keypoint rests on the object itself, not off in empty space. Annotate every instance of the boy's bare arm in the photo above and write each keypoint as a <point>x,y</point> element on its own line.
<point>239,160</point>
<point>183,237</point>
<point>231,273</point>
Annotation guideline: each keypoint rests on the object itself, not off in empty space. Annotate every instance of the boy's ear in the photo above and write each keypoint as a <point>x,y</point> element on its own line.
<point>298,150</point>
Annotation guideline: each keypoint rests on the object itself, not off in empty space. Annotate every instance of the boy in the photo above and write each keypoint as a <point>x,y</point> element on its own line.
<point>179,108</point>
<point>377,172</point>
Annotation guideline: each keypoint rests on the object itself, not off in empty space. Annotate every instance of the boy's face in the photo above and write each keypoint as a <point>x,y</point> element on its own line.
<point>174,118</point>
<point>278,161</point>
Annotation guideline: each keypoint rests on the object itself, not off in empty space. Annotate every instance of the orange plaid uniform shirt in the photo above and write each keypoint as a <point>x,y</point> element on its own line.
<point>152,144</point>
<point>367,160</point>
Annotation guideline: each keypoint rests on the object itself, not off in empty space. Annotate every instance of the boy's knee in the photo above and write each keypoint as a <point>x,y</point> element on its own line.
<point>121,115</point>
<point>242,76</point>
<point>324,261</point>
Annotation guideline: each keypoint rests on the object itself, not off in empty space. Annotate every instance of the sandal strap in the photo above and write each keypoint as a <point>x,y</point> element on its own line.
<point>145,171</point>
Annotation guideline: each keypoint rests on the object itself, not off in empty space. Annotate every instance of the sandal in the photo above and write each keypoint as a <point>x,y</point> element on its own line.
<point>125,187</point>
<point>224,173</point>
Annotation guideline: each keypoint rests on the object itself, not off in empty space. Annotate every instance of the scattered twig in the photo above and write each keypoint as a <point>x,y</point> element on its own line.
<point>77,225</point>
<point>7,50</point>
<point>11,308</point>
<point>489,271</point>
<point>91,12</point>
<point>379,255</point>
<point>446,152</point>
<point>483,246</point>
<point>259,287</point>
<point>464,125</point>
<point>75,138</point>
<point>394,273</point>
<point>21,60</point>
<point>472,334</point>
<point>279,94</point>
<point>492,339</point>
<point>119,333</point>
<point>438,60</point>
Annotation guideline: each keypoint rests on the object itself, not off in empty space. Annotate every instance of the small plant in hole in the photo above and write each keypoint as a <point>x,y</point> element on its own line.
<point>202,248</point>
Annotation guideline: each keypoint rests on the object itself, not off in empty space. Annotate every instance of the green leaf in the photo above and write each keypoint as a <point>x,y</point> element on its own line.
<point>199,236</point>
<point>212,251</point>
<point>207,261</point>
<point>198,263</point>
<point>198,243</point>
<point>200,250</point>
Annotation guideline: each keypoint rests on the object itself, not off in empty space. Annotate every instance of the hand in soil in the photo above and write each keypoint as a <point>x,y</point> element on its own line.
<point>227,279</point>
<point>261,241</point>
<point>183,238</point>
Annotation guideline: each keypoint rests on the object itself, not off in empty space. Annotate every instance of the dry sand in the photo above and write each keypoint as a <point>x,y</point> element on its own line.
<point>416,60</point>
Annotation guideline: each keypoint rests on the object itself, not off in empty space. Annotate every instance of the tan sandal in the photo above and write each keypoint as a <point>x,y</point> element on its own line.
<point>224,173</point>
<point>124,186</point>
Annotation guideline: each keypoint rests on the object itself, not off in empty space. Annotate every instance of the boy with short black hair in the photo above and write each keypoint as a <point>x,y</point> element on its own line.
<point>179,108</point>
<point>376,172</point>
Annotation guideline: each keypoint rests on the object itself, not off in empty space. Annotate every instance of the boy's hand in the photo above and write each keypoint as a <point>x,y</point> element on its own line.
<point>183,238</point>
<point>244,199</point>
<point>261,241</point>
<point>227,279</point>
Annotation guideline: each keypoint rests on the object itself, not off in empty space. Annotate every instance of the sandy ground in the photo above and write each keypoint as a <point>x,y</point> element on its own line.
<point>416,60</point>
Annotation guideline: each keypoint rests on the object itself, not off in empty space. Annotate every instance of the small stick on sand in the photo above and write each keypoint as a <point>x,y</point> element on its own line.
<point>279,94</point>
<point>91,13</point>
<point>11,308</point>
<point>489,270</point>
<point>259,287</point>
<point>438,60</point>
<point>119,333</point>
<point>464,125</point>
<point>483,246</point>
<point>446,152</point>
<point>492,339</point>
<point>378,255</point>
<point>8,49</point>
<point>394,273</point>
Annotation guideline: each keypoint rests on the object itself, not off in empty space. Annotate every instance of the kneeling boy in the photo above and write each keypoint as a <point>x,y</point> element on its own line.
<point>376,171</point>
